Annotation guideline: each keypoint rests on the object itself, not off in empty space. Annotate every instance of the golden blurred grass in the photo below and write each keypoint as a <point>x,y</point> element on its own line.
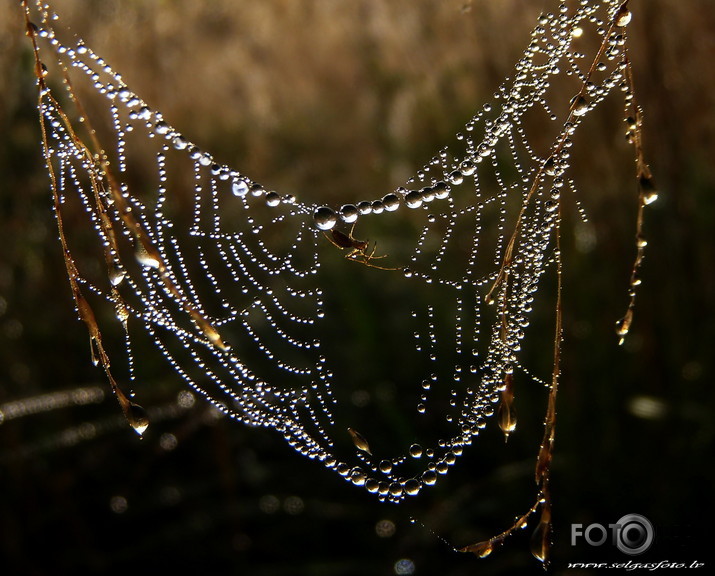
<point>348,95</point>
<point>319,94</point>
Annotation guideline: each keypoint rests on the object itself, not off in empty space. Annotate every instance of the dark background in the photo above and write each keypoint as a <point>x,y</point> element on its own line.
<point>307,94</point>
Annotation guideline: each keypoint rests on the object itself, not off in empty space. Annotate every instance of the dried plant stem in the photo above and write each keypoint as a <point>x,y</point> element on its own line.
<point>99,171</point>
<point>133,412</point>
<point>541,538</point>
<point>647,192</point>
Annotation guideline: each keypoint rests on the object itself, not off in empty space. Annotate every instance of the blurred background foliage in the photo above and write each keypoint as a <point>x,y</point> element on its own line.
<point>347,100</point>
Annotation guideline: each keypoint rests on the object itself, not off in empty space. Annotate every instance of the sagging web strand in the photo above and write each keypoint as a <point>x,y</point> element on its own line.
<point>196,284</point>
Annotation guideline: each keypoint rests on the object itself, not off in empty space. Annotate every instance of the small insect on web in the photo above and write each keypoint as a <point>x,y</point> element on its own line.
<point>358,250</point>
<point>234,284</point>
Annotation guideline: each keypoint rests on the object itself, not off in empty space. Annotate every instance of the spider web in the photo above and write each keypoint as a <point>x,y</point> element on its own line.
<point>235,284</point>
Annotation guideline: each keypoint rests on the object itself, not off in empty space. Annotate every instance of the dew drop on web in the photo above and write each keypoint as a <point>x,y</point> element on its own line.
<point>349,213</point>
<point>623,16</point>
<point>480,549</point>
<point>138,418</point>
<point>325,218</point>
<point>273,199</point>
<point>145,258</point>
<point>239,188</point>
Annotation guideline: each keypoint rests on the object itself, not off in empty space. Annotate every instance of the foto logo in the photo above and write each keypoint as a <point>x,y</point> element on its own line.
<point>633,534</point>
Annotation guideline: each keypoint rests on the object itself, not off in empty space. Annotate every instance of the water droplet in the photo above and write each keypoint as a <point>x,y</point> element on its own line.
<point>121,311</point>
<point>550,166</point>
<point>540,539</point>
<point>349,213</point>
<point>179,143</point>
<point>359,441</point>
<point>33,29</point>
<point>357,477</point>
<point>161,128</point>
<point>623,16</point>
<point>412,487</point>
<point>506,414</point>
<point>467,167</point>
<point>364,207</point>
<point>427,194</point>
<point>484,152</point>
<point>144,113</point>
<point>413,199</point>
<point>239,188</point>
<point>391,202</point>
<point>481,549</point>
<point>273,199</point>
<point>212,334</point>
<point>385,466</point>
<point>624,324</point>
<point>138,418</point>
<point>441,190</point>
<point>649,193</point>
<point>416,451</point>
<point>145,258</point>
<point>579,105</point>
<point>429,478</point>
<point>116,275</point>
<point>372,485</point>
<point>456,177</point>
<point>325,218</point>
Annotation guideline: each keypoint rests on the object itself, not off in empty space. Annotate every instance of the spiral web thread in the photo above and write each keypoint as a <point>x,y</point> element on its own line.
<point>232,281</point>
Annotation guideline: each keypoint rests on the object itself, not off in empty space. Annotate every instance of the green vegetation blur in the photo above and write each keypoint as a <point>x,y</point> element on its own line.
<point>344,101</point>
